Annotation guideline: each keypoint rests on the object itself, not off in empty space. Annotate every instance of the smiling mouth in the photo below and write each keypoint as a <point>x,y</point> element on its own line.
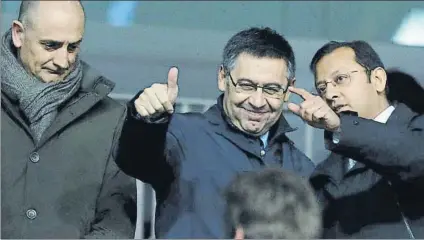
<point>254,115</point>
<point>254,112</point>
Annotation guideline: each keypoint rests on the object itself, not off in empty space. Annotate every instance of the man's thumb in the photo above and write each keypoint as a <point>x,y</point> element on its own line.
<point>173,79</point>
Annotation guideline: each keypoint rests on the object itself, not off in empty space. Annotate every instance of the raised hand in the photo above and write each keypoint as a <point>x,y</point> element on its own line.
<point>314,110</point>
<point>159,98</point>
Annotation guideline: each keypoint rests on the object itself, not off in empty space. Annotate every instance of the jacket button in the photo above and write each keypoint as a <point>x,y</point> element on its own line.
<point>262,153</point>
<point>31,214</point>
<point>34,157</point>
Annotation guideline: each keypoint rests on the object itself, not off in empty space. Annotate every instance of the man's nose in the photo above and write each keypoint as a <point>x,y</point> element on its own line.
<point>61,58</point>
<point>257,99</point>
<point>331,92</point>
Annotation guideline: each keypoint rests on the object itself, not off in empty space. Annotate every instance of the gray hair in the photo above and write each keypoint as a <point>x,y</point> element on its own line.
<point>259,42</point>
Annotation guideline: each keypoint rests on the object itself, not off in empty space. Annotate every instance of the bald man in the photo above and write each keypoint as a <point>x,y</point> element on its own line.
<point>59,132</point>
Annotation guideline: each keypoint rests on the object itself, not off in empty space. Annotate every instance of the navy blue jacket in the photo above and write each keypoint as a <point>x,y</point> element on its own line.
<point>191,158</point>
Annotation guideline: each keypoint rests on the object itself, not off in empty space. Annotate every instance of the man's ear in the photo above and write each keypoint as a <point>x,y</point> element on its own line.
<point>17,33</point>
<point>221,79</point>
<point>239,233</point>
<point>287,94</point>
<point>378,78</point>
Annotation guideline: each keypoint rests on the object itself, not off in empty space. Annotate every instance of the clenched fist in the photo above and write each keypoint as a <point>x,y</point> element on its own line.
<point>314,111</point>
<point>158,98</point>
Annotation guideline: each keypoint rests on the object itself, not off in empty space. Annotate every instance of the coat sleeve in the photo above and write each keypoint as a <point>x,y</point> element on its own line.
<point>395,149</point>
<point>143,149</point>
<point>116,206</point>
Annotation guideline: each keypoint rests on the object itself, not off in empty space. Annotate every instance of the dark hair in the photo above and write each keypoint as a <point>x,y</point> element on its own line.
<point>272,204</point>
<point>259,42</point>
<point>365,55</point>
<point>29,5</point>
<point>404,88</point>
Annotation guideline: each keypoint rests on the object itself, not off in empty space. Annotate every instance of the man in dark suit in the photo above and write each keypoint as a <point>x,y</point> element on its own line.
<point>371,185</point>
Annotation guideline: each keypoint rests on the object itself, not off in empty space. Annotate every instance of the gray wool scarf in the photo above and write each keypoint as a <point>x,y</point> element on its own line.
<point>39,101</point>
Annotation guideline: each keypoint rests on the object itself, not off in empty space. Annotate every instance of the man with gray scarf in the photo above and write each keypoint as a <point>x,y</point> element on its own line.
<point>59,132</point>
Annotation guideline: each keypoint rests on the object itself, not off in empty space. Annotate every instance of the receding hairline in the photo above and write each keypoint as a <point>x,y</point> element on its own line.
<point>27,7</point>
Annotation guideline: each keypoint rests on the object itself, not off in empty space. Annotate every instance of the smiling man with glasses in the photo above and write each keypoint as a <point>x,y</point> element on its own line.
<point>372,184</point>
<point>254,99</point>
<point>190,158</point>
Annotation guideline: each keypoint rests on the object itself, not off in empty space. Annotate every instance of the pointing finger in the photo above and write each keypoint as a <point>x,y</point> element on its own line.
<point>294,108</point>
<point>301,92</point>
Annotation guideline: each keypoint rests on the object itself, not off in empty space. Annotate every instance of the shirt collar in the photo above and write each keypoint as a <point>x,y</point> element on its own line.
<point>384,116</point>
<point>264,138</point>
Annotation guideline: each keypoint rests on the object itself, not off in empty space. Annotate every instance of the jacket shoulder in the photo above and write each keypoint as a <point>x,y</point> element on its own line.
<point>417,121</point>
<point>108,108</point>
<point>193,116</point>
<point>111,103</point>
<point>189,119</point>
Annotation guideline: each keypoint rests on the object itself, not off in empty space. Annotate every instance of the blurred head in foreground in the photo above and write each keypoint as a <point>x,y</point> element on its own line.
<point>272,204</point>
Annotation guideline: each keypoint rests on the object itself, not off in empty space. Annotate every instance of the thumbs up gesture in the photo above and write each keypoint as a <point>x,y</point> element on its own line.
<point>159,98</point>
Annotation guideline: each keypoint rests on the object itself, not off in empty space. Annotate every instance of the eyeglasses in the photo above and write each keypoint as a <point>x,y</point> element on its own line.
<point>339,80</point>
<point>269,90</point>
